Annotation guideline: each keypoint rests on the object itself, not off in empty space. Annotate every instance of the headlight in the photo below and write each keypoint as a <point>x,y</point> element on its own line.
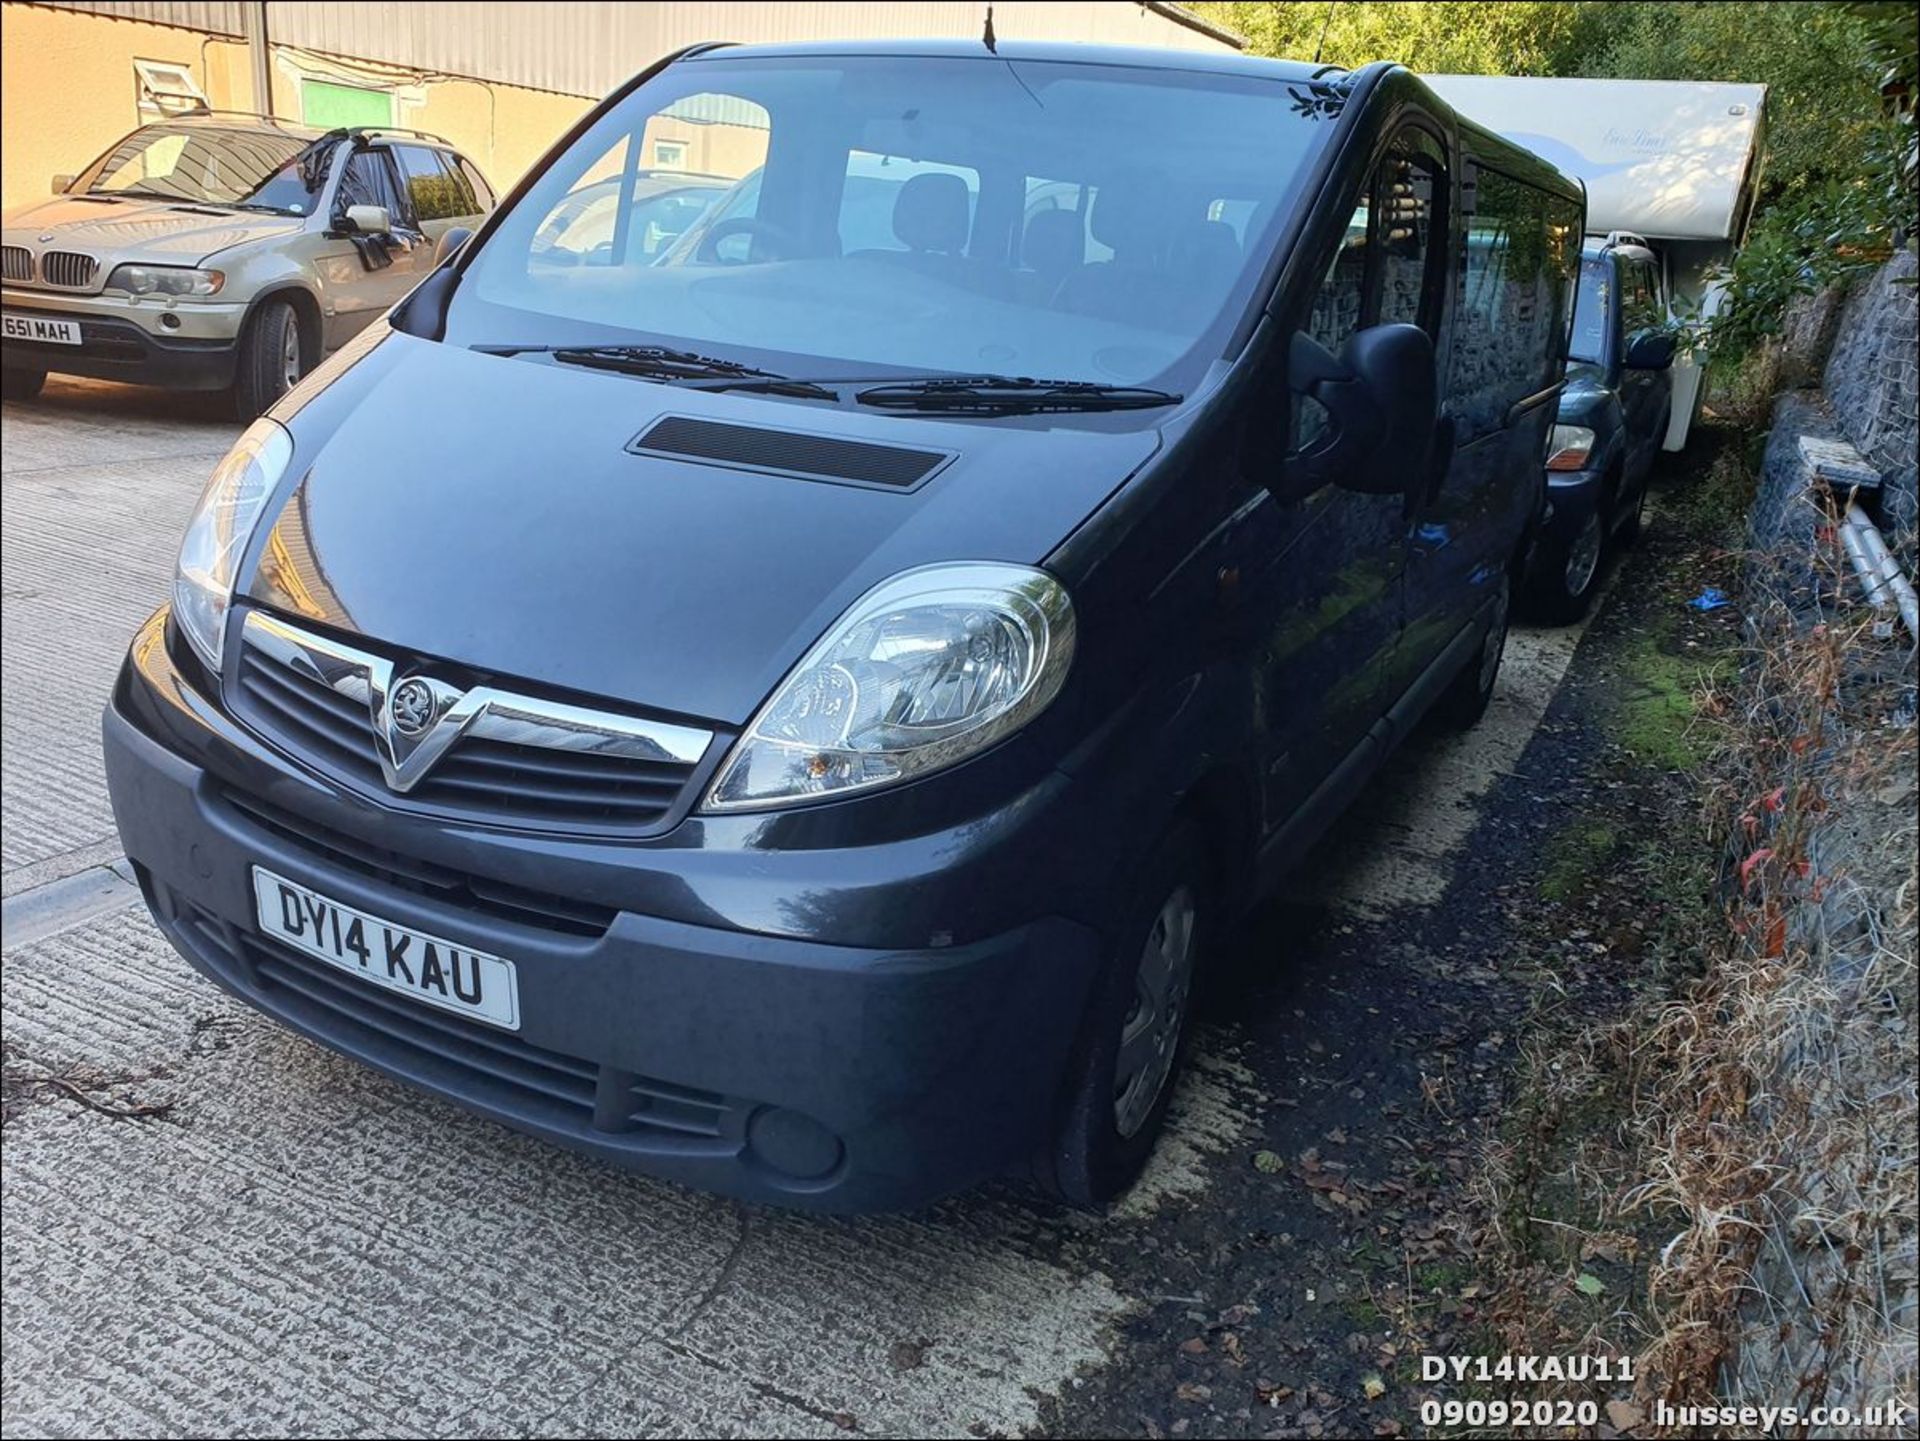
<point>1568,447</point>
<point>923,671</point>
<point>165,280</point>
<point>222,524</point>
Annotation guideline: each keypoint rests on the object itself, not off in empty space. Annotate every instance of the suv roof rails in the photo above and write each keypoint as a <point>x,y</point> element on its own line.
<point>365,132</point>
<point>208,112</point>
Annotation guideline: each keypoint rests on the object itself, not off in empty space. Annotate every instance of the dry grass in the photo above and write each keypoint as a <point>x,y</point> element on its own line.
<point>1733,1163</point>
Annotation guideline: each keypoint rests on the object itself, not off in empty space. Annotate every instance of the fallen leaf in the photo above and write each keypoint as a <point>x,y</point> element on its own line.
<point>1194,1345</point>
<point>1624,1415</point>
<point>1373,1385</point>
<point>1589,1284</point>
<point>1267,1162</point>
<point>1193,1391</point>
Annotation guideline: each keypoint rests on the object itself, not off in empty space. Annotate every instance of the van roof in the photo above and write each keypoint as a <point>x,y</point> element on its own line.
<point>1667,159</point>
<point>1139,57</point>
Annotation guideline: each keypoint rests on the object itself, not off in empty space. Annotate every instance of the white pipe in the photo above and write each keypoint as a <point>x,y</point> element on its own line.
<point>1880,574</point>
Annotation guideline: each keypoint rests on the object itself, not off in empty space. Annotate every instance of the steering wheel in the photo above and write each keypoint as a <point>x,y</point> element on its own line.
<point>782,241</point>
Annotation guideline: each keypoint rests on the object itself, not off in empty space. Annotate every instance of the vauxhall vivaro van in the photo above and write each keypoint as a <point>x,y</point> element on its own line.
<point>786,704</point>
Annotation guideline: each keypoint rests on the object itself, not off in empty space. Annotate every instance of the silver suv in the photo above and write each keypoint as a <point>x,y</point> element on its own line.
<point>219,251</point>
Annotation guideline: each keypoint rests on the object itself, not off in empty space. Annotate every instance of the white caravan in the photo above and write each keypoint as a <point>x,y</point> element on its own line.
<point>1675,163</point>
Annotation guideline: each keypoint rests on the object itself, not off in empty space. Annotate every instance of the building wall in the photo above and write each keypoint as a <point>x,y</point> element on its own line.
<point>501,80</point>
<point>588,48</point>
<point>67,87</point>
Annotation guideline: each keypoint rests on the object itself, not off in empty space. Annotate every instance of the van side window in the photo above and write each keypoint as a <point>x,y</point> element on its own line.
<point>1383,271</point>
<point>1512,316</point>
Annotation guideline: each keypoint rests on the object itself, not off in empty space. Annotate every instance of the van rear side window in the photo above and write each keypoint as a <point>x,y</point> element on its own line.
<point>1513,311</point>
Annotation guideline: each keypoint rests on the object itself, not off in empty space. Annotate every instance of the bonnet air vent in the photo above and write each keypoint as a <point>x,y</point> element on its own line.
<point>788,452</point>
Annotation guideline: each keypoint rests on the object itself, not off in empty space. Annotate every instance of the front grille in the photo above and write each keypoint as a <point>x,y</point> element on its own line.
<point>482,779</point>
<point>68,269</point>
<point>16,262</point>
<point>478,1063</point>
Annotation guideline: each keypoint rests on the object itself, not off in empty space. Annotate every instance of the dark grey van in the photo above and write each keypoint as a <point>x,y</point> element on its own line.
<point>788,705</point>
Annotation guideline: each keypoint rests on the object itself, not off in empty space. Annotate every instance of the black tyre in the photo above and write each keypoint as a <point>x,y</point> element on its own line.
<point>1466,699</point>
<point>19,383</point>
<point>1635,520</point>
<point>1135,1035</point>
<point>1567,573</point>
<point>271,359</point>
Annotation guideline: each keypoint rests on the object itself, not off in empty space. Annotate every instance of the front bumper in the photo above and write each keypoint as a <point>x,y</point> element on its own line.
<point>141,342</point>
<point>768,1067</point>
<point>1571,498</point>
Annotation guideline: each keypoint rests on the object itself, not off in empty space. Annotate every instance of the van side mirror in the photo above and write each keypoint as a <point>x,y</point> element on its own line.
<point>62,184</point>
<point>449,244</point>
<point>1649,350</point>
<point>1381,400</point>
<point>369,220</point>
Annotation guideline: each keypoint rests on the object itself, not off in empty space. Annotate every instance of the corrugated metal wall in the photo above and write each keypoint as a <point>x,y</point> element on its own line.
<point>214,17</point>
<point>588,48</point>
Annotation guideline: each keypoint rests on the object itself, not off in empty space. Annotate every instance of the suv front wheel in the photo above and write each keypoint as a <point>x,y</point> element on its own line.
<point>271,359</point>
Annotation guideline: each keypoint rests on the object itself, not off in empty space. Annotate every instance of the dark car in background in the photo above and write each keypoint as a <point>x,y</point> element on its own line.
<point>1612,418</point>
<point>225,252</point>
<point>791,711</point>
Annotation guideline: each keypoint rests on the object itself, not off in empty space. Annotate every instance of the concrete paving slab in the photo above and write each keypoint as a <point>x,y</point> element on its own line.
<point>95,502</point>
<point>303,1246</point>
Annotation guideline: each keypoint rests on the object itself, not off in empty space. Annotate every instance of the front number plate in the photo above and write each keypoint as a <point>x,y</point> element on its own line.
<point>393,957</point>
<point>32,327</point>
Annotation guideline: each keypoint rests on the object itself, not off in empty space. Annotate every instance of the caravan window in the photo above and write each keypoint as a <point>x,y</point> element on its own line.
<point>1514,299</point>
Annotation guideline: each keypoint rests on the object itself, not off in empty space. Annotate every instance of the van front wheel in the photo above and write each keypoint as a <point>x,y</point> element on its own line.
<point>1135,1033</point>
<point>1466,699</point>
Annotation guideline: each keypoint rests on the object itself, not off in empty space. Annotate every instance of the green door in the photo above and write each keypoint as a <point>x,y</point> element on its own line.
<point>328,106</point>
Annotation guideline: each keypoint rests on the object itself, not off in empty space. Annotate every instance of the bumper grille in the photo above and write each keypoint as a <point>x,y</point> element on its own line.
<point>68,269</point>
<point>480,778</point>
<point>494,1069</point>
<point>468,892</point>
<point>16,262</point>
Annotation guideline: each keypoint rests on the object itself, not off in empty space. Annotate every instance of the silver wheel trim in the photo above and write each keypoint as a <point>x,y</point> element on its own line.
<point>1583,556</point>
<point>1495,645</point>
<point>290,355</point>
<point>1150,1034</point>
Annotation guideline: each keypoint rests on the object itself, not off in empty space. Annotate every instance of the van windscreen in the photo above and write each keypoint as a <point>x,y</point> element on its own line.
<point>879,214</point>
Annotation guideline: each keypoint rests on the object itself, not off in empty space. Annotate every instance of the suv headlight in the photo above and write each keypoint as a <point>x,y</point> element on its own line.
<point>926,669</point>
<point>165,280</point>
<point>217,535</point>
<point>1568,447</point>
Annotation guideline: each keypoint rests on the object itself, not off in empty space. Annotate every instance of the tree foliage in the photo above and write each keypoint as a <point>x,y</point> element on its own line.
<point>1439,37</point>
<point>1838,183</point>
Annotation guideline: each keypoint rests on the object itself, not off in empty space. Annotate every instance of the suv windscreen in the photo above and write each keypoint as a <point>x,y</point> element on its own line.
<point>217,165</point>
<point>1589,341</point>
<point>874,215</point>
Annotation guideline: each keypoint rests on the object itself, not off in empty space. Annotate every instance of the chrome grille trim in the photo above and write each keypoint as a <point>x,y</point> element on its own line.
<point>68,270</point>
<point>485,712</point>
<point>16,262</point>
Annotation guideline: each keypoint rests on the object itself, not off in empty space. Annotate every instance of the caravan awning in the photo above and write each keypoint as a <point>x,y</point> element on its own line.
<point>1667,159</point>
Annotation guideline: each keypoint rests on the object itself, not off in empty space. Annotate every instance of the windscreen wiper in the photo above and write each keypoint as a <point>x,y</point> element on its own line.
<point>1010,395</point>
<point>666,363</point>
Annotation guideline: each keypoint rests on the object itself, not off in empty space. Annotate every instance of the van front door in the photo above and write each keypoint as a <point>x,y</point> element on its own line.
<point>1336,597</point>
